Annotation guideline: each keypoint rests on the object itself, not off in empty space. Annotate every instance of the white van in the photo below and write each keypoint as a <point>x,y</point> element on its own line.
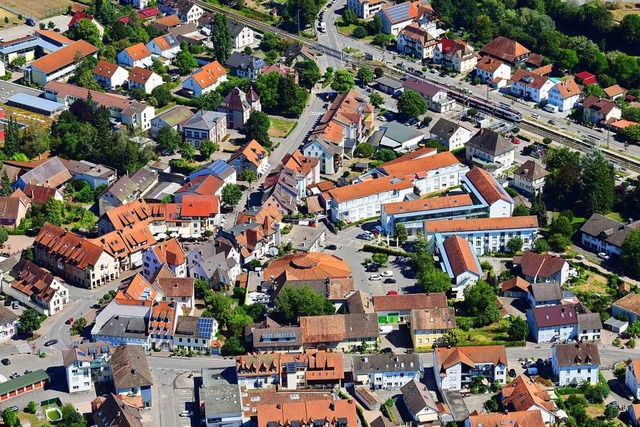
<point>322,27</point>
<point>535,115</point>
<point>550,108</point>
<point>386,329</point>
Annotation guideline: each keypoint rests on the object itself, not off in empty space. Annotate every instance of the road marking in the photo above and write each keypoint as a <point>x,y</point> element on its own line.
<point>23,348</point>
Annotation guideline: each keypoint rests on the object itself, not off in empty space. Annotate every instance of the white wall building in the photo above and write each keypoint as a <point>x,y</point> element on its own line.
<point>453,372</point>
<point>575,363</point>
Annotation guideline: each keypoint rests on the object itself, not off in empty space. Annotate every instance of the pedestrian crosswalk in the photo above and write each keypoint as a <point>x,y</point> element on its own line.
<point>23,348</point>
<point>316,113</point>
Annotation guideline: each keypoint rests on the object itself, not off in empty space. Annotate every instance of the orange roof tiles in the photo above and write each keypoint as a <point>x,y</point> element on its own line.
<point>253,152</point>
<point>138,51</point>
<point>522,394</point>
<point>138,289</point>
<point>434,203</point>
<point>487,185</point>
<point>162,318</point>
<point>367,188</point>
<point>418,165</point>
<point>506,49</point>
<point>170,252</point>
<point>34,281</point>
<point>171,286</point>
<point>50,34</point>
<point>489,64</point>
<point>68,247</point>
<point>419,153</point>
<point>168,21</point>
<point>203,184</point>
<point>209,74</point>
<point>308,266</point>
<point>64,57</point>
<point>460,256</point>
<point>568,88</point>
<point>199,205</point>
<point>511,419</point>
<point>123,242</point>
<point>299,163</point>
<point>527,78</point>
<point>162,43</point>
<point>329,411</point>
<point>129,214</point>
<point>614,90</point>
<point>140,75</point>
<point>476,224</point>
<point>348,109</point>
<point>448,357</point>
<point>105,69</point>
<point>516,284</point>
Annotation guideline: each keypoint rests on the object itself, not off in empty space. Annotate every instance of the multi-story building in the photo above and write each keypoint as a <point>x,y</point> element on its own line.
<point>166,46</point>
<point>394,309</point>
<point>131,374</point>
<point>86,364</point>
<point>340,332</point>
<point>530,85</point>
<point>429,325</point>
<point>244,65</point>
<point>169,254</point>
<point>196,334</point>
<point>576,363</point>
<point>530,177</point>
<point>506,50</point>
<point>386,371</point>
<point>36,288</point>
<point>565,95</point>
<point>492,71</point>
<point>109,75</point>
<point>8,323</point>
<point>552,323</point>
<point>452,135</point>
<point>455,367</point>
<point>137,55</point>
<point>174,118</point>
<point>397,16</point>
<point>600,110</point>
<point>238,106</point>
<point>491,151</point>
<point>589,326</point>
<point>144,79</point>
<point>545,294</point>
<point>460,262</point>
<point>603,234</point>
<point>252,156</point>
<point>456,54</point>
<point>365,9</point>
<point>416,41</point>
<point>206,79</point>
<point>543,268</point>
<point>522,394</point>
<point>436,97</point>
<point>203,126</point>
<point>59,65</point>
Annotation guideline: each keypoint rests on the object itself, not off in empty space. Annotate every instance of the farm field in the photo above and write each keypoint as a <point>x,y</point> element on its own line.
<point>38,9</point>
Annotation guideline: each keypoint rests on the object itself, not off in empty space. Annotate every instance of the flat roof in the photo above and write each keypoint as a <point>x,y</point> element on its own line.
<point>26,100</point>
<point>8,89</point>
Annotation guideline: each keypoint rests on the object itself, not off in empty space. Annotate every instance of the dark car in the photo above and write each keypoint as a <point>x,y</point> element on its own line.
<point>14,408</point>
<point>412,121</point>
<point>6,362</point>
<point>387,350</point>
<point>50,343</point>
<point>512,373</point>
<point>331,247</point>
<point>390,280</point>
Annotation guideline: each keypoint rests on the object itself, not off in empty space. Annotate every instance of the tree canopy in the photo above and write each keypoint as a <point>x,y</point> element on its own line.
<point>412,104</point>
<point>480,302</point>
<point>257,127</point>
<point>292,303</point>
<point>342,81</point>
<point>221,37</point>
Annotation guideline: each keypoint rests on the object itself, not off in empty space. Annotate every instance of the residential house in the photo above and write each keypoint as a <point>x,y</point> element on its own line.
<point>552,323</point>
<point>628,306</point>
<point>615,91</point>
<point>95,174</point>
<point>78,16</point>
<point>127,244</point>
<point>340,332</point>
<point>131,374</point>
<point>174,118</point>
<point>399,137</point>
<point>418,400</point>
<point>245,65</point>
<point>74,258</point>
<point>386,371</point>
<point>162,325</point>
<point>493,71</point>
<point>436,97</point>
<point>506,50</point>
<point>297,52</point>
<point>216,263</point>
<point>522,394</point>
<point>206,79</point>
<point>486,234</point>
<point>113,411</point>
<point>455,367</point>
<point>251,156</point>
<point>398,16</point>
<point>196,334</point>
<point>168,253</point>
<point>281,69</point>
<point>144,79</point>
<point>86,364</point>
<point>137,55</point>
<point>126,216</point>
<point>565,95</point>
<point>452,135</point>
<point>491,151</point>
<point>36,288</point>
<point>488,191</point>
<point>599,110</point>
<point>460,262</point>
<point>109,75</point>
<point>416,41</point>
<point>219,169</point>
<point>165,46</point>
<point>335,412</point>
<point>589,326</point>
<point>530,177</point>
<point>395,309</point>
<point>632,378</point>
<point>365,9</point>
<point>543,268</point>
<point>220,401</point>
<point>144,14</point>
<point>428,326</point>
<point>456,54</point>
<point>13,209</point>
<point>127,189</point>
<point>166,22</point>
<point>242,35</point>
<point>177,290</point>
<point>574,364</point>
<point>38,194</point>
<point>186,10</point>
<point>269,336</point>
<point>199,211</point>
<point>255,233</point>
<point>50,173</point>
<point>126,111</point>
<point>58,65</point>
<point>125,329</point>
<point>9,323</point>
<point>515,287</point>
<point>519,418</point>
<point>203,126</point>
<point>603,234</point>
<point>530,86</point>
<point>544,294</point>
<point>205,185</point>
<point>634,414</point>
<point>238,106</point>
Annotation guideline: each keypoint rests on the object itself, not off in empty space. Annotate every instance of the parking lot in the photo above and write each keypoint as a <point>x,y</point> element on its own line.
<point>349,248</point>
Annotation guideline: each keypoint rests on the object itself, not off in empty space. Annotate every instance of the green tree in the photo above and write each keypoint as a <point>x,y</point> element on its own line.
<point>4,236</point>
<point>453,336</point>
<point>514,245</point>
<point>71,417</point>
<point>518,329</point>
<point>162,94</point>
<point>559,242</point>
<point>401,233</point>
<point>610,411</point>
<point>185,61</point>
<point>412,104</point>
<point>629,29</point>
<point>308,73</point>
<point>541,245</point>
<point>360,32</point>
<point>32,407</point>
<point>169,139</point>
<point>207,148</point>
<point>248,175</point>
<point>342,81</point>
<point>598,184</point>
<point>233,347</point>
<point>365,74</point>
<point>349,17</point>
<point>78,326</point>
<point>380,258</point>
<point>365,150</point>
<point>539,209</point>
<point>29,321</point>
<point>561,225</point>
<point>292,303</point>
<point>521,210</point>
<point>376,99</point>
<point>630,258</point>
<point>54,211</point>
<point>257,127</point>
<point>8,416</point>
<point>631,133</point>
<point>87,30</point>
<point>231,195</point>
<point>5,185</point>
<point>480,302</point>
<point>594,90</point>
<point>485,29</point>
<point>221,38</point>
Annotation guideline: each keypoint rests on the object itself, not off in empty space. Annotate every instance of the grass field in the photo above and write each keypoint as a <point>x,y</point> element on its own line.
<point>38,9</point>
<point>625,9</point>
<point>593,283</point>
<point>33,420</point>
<point>13,19</point>
<point>281,128</point>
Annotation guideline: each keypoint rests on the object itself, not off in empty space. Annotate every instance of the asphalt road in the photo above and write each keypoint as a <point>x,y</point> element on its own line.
<point>23,30</point>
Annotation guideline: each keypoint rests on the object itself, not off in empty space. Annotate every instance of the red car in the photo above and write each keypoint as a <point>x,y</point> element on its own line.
<point>392,293</point>
<point>69,321</point>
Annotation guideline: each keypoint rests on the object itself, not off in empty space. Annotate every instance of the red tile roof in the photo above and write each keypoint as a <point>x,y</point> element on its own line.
<point>505,49</point>
<point>367,188</point>
<point>475,224</point>
<point>543,266</point>
<point>203,184</point>
<point>409,301</point>
<point>448,357</point>
<point>68,247</point>
<point>209,74</point>
<point>511,419</point>
<point>329,411</point>
<point>433,203</point>
<point>196,205</point>
<point>460,256</point>
<point>105,69</point>
<point>487,185</point>
<point>64,57</point>
<point>123,242</point>
<point>138,51</point>
<point>170,252</point>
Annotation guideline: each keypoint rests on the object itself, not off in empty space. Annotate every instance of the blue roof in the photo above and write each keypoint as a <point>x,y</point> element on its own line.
<point>22,99</point>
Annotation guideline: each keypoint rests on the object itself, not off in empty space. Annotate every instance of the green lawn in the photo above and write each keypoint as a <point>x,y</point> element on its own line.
<point>33,420</point>
<point>615,216</point>
<point>487,334</point>
<point>281,128</point>
<point>346,30</point>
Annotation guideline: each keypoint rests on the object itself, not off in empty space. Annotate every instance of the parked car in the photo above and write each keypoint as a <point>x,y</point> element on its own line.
<point>392,292</point>
<point>186,413</point>
<point>50,343</point>
<point>331,247</point>
<point>6,362</point>
<point>69,321</point>
<point>387,273</point>
<point>512,373</point>
<point>387,350</point>
<point>14,408</point>
<point>15,305</point>
<point>603,255</point>
<point>14,375</point>
<point>390,280</point>
<point>375,277</point>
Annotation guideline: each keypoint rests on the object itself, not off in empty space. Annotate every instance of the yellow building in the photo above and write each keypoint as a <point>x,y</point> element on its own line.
<point>428,326</point>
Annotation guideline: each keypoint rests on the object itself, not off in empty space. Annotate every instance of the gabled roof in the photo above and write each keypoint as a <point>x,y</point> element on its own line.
<point>129,214</point>
<point>129,367</point>
<point>528,78</point>
<point>541,266</point>
<point>415,32</point>
<point>477,224</point>
<point>516,284</point>
<point>297,413</point>
<point>568,88</point>
<point>166,42</point>
<point>138,51</point>
<point>105,69</point>
<point>371,363</point>
<point>169,252</point>
<point>199,205</point>
<point>418,166</point>
<point>251,152</point>
<point>490,142</point>
<point>244,61</point>
<point>171,286</point>
<point>615,90</point>
<point>168,21</point>
<point>367,188</point>
<point>422,86</point>
<point>140,75</point>
<point>511,419</point>
<point>236,100</point>
<point>531,171</point>
<point>52,173</point>
<point>10,207</point>
<point>505,49</point>
<point>123,242</point>
<point>433,203</point>
<point>114,412</point>
<point>203,184</point>
<point>554,315</point>
<point>418,397</point>
<point>64,57</point>
<point>428,319</point>
<point>579,354</point>
<point>209,74</point>
<point>444,129</point>
<point>448,357</point>
<point>546,291</point>
<point>521,394</point>
<point>589,321</point>
<point>68,247</point>
<point>406,11</point>
<point>488,187</point>
<point>338,327</point>
<point>460,256</point>
<point>602,105</point>
<point>405,302</point>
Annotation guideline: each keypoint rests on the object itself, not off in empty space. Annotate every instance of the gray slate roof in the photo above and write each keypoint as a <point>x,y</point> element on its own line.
<point>580,354</point>
<point>386,363</point>
<point>130,368</point>
<point>399,132</point>
<point>589,321</point>
<point>490,142</point>
<point>607,229</point>
<point>444,129</point>
<point>204,120</point>
<point>547,291</point>
<point>417,397</point>
<point>243,61</point>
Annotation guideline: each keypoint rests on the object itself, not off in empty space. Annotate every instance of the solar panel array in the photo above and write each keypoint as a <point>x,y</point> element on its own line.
<point>399,11</point>
<point>287,335</point>
<point>205,326</point>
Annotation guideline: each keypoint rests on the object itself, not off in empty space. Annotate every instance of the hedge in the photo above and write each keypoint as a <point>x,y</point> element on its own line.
<point>380,249</point>
<point>363,420</point>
